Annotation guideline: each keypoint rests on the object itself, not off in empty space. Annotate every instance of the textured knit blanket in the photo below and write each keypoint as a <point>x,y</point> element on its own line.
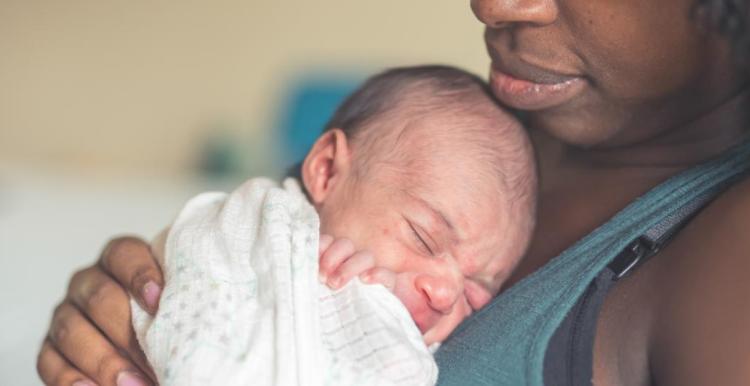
<point>242,304</point>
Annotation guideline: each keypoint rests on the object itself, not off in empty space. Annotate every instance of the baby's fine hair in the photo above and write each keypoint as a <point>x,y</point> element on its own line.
<point>489,133</point>
<point>384,91</point>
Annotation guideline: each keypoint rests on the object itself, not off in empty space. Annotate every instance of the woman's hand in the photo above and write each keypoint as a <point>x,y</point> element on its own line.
<point>90,340</point>
<point>339,262</point>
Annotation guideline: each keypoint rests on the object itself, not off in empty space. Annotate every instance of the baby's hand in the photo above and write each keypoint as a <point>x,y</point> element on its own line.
<point>339,262</point>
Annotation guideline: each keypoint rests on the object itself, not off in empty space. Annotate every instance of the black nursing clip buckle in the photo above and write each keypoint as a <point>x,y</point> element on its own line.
<point>633,255</point>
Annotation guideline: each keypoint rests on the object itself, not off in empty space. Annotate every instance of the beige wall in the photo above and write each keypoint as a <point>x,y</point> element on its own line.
<point>135,84</point>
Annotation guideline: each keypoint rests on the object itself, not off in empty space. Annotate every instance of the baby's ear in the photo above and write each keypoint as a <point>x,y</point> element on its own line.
<point>327,164</point>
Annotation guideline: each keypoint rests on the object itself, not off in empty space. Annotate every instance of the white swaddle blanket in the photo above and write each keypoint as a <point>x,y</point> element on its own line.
<point>242,304</point>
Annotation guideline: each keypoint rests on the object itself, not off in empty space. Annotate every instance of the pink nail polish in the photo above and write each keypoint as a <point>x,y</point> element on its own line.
<point>151,292</point>
<point>126,378</point>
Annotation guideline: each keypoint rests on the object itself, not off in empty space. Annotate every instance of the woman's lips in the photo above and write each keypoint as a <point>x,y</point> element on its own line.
<point>534,95</point>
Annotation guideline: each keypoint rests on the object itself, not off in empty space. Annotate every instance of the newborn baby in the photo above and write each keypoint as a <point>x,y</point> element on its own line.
<point>421,185</point>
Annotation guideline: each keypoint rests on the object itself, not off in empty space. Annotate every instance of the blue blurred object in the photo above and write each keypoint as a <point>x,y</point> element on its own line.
<point>307,107</point>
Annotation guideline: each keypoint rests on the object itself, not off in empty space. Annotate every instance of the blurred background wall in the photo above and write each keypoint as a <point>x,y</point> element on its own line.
<point>112,113</point>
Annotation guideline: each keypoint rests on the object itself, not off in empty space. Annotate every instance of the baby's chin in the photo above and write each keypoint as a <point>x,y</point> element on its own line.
<point>435,326</point>
<point>436,336</point>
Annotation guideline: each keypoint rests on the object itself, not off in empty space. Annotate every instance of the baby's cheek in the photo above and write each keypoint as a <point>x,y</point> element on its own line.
<point>387,252</point>
<point>476,295</point>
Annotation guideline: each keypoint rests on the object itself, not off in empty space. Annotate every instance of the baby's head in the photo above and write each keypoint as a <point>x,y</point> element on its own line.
<point>421,167</point>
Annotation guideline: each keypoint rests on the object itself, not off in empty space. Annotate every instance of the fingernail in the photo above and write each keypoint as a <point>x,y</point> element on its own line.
<point>127,378</point>
<point>322,278</point>
<point>84,383</point>
<point>334,283</point>
<point>151,293</point>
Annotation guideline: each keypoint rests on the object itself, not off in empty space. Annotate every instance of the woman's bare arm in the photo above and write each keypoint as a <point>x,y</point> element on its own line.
<point>90,338</point>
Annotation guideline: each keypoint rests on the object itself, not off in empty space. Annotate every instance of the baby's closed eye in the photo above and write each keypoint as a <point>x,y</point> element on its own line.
<point>420,241</point>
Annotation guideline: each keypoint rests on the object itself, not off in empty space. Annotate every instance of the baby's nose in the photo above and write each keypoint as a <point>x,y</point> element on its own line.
<point>441,293</point>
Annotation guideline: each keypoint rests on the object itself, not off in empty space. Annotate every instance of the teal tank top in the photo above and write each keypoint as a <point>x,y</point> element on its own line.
<point>505,342</point>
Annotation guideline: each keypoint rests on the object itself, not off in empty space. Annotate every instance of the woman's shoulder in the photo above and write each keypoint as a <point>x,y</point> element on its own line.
<point>702,312</point>
<point>718,238</point>
<point>720,234</point>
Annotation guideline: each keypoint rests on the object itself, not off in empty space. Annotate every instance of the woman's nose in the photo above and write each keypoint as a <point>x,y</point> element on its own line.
<point>441,293</point>
<point>501,13</point>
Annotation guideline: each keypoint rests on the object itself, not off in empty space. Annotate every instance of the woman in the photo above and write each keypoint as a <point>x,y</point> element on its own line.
<point>619,96</point>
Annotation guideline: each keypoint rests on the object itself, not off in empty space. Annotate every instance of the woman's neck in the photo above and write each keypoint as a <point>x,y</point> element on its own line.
<point>685,145</point>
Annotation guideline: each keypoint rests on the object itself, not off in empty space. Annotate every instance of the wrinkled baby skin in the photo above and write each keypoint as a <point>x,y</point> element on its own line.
<point>438,237</point>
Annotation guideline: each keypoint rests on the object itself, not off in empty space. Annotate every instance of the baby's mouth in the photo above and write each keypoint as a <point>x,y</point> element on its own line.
<point>424,317</point>
<point>422,325</point>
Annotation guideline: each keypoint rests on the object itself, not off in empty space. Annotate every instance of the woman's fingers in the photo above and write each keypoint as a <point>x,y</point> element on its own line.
<point>351,267</point>
<point>77,340</point>
<point>105,303</point>
<point>91,338</point>
<point>56,371</point>
<point>333,256</point>
<point>130,261</point>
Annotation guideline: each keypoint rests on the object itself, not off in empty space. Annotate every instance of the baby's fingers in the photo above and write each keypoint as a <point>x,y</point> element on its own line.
<point>324,243</point>
<point>340,250</point>
<point>351,267</point>
<point>378,275</point>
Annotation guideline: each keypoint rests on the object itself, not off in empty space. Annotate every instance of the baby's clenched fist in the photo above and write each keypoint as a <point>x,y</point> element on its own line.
<point>339,262</point>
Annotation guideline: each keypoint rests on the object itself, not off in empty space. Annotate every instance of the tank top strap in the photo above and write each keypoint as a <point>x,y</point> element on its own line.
<point>569,360</point>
